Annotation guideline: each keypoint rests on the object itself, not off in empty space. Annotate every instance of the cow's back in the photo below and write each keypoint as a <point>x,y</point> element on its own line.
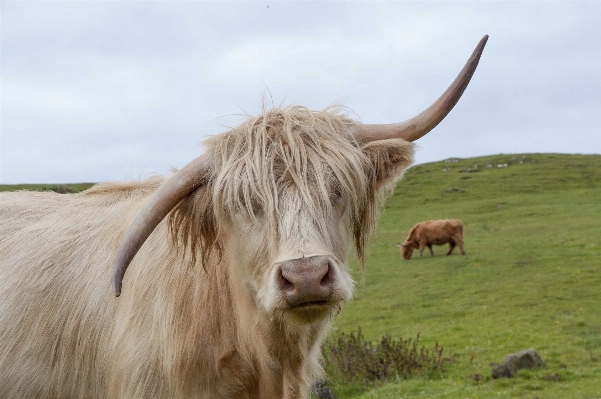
<point>454,227</point>
<point>56,306</point>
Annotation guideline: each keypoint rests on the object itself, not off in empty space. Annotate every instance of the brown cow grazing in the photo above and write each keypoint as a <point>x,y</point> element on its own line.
<point>235,264</point>
<point>433,232</point>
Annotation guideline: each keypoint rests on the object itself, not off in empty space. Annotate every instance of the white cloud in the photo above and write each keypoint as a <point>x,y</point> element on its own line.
<point>108,94</point>
<point>296,59</point>
<point>133,86</point>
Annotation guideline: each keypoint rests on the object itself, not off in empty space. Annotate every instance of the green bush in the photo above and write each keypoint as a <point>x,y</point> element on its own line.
<point>353,358</point>
<point>59,188</point>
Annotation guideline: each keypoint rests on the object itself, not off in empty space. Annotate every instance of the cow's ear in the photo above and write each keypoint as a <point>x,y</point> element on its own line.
<point>389,159</point>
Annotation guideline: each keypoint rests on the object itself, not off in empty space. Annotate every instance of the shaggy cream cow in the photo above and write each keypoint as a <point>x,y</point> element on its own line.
<point>235,264</point>
<point>433,232</point>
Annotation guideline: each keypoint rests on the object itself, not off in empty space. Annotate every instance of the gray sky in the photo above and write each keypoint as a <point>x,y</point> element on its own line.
<point>95,91</point>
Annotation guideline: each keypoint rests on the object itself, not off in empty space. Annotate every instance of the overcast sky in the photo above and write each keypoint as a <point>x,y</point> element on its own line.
<point>95,91</point>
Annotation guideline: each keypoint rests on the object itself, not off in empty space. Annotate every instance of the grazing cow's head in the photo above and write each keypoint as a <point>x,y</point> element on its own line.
<point>407,248</point>
<point>282,195</point>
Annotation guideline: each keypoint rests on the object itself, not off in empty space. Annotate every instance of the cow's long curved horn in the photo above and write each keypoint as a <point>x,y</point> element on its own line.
<point>168,195</point>
<point>416,127</point>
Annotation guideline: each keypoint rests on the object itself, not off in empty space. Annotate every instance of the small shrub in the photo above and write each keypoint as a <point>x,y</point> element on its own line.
<point>355,359</point>
<point>58,188</point>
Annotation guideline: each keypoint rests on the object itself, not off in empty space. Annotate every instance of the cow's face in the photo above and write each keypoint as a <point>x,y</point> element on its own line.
<point>289,191</point>
<point>282,204</point>
<point>407,249</point>
<point>301,274</point>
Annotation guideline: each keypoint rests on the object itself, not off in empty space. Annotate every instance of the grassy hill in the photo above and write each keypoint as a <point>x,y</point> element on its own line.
<point>531,277</point>
<point>59,188</point>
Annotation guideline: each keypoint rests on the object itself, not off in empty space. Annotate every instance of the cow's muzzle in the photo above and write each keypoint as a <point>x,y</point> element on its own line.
<point>307,282</point>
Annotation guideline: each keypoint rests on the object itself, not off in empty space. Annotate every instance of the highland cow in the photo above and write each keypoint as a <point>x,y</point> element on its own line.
<point>433,232</point>
<point>235,264</point>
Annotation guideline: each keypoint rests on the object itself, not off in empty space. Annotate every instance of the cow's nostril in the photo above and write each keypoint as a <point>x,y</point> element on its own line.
<point>285,284</point>
<point>328,278</point>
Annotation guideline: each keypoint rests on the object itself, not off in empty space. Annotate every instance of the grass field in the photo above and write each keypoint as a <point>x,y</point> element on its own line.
<point>531,277</point>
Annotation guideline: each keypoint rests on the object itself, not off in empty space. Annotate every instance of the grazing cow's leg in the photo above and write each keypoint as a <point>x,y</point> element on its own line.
<point>422,246</point>
<point>459,241</point>
<point>451,247</point>
<point>430,248</point>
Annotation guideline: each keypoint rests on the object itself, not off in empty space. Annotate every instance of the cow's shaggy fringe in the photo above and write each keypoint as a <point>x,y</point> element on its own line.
<point>283,147</point>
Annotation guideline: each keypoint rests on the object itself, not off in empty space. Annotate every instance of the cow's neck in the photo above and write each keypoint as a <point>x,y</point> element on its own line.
<point>284,355</point>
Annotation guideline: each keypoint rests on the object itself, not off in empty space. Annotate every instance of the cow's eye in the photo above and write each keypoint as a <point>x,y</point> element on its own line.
<point>336,196</point>
<point>257,208</point>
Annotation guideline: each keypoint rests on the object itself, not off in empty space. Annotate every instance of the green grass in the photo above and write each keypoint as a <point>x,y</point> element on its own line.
<point>531,277</point>
<point>70,187</point>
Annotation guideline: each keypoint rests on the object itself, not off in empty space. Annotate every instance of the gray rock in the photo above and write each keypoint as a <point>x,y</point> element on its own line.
<point>322,391</point>
<point>500,370</point>
<point>516,361</point>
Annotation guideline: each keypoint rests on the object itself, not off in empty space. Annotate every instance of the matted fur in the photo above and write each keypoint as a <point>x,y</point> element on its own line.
<point>291,176</point>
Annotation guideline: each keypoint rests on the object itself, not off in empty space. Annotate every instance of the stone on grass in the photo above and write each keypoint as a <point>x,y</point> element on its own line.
<point>322,391</point>
<point>516,361</point>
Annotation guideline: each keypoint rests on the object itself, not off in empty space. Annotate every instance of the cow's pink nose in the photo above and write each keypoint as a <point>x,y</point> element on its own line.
<point>306,281</point>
